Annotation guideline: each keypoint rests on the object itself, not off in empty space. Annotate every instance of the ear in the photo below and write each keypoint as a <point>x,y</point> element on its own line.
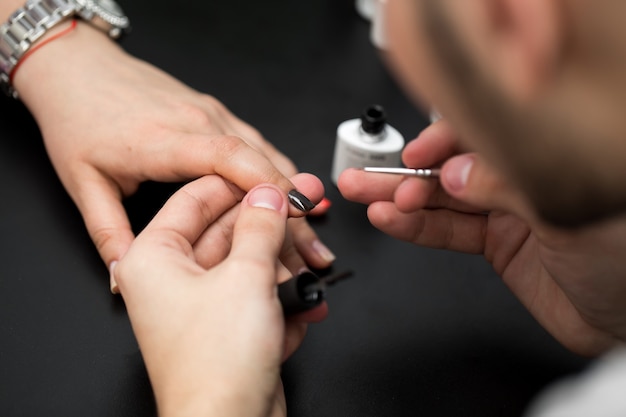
<point>525,38</point>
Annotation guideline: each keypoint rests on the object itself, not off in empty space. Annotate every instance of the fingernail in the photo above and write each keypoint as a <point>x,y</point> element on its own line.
<point>112,282</point>
<point>299,201</point>
<point>266,197</point>
<point>323,251</point>
<point>457,171</point>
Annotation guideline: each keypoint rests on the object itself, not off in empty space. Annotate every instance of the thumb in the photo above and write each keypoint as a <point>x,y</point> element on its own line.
<point>260,231</point>
<point>469,179</point>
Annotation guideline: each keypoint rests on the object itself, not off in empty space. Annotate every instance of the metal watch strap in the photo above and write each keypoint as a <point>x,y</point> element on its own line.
<point>25,27</point>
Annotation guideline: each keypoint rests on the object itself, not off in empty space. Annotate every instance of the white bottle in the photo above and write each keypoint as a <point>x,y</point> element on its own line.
<point>368,141</point>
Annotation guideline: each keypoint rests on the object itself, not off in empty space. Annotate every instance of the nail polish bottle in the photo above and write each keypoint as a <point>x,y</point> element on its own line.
<point>368,141</point>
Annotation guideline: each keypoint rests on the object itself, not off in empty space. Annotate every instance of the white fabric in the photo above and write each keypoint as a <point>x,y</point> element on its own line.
<point>599,392</point>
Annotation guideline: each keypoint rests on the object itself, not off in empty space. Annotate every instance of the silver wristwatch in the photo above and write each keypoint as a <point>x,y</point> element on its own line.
<point>29,23</point>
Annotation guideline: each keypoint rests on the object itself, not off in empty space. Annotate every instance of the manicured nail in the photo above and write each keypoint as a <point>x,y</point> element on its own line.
<point>112,282</point>
<point>323,251</point>
<point>457,171</point>
<point>266,197</point>
<point>299,201</point>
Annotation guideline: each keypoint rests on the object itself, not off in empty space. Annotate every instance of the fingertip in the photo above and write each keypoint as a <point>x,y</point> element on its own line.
<point>354,183</point>
<point>266,196</point>
<point>263,214</point>
<point>310,185</point>
<point>300,201</point>
<point>306,195</point>
<point>366,187</point>
<point>456,172</point>
<point>347,180</point>
<point>112,281</point>
<point>468,179</point>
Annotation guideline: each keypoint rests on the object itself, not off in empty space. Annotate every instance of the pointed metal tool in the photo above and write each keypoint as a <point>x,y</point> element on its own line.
<point>418,172</point>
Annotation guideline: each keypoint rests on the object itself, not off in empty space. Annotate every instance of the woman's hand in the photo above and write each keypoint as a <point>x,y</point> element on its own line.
<point>211,330</point>
<point>111,121</point>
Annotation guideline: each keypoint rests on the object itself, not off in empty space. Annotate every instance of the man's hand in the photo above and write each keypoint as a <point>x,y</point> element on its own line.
<point>573,282</point>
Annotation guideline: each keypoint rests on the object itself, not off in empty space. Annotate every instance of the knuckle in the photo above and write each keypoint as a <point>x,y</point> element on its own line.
<point>102,238</point>
<point>197,119</point>
<point>418,229</point>
<point>235,151</point>
<point>232,145</point>
<point>204,207</point>
<point>212,102</point>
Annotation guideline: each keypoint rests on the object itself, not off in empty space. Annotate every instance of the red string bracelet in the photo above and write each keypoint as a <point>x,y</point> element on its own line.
<point>39,45</point>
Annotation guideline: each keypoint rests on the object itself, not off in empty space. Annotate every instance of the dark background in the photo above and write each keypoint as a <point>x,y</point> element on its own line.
<point>415,332</point>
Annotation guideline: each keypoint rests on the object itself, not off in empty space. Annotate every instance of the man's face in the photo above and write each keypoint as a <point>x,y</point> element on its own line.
<point>570,170</point>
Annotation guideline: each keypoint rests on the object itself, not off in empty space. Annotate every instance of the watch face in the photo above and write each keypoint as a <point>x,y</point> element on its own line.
<point>110,6</point>
<point>104,14</point>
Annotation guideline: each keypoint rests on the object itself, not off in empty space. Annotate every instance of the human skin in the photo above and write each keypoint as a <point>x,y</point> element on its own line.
<point>110,122</point>
<point>211,330</point>
<point>534,86</point>
<point>573,281</point>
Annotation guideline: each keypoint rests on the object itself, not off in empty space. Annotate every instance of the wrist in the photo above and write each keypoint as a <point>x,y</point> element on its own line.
<point>56,33</point>
<point>38,22</point>
<point>45,76</point>
<point>21,32</point>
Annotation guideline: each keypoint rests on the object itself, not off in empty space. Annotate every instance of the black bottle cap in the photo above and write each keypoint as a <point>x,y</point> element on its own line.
<point>374,119</point>
<point>301,293</point>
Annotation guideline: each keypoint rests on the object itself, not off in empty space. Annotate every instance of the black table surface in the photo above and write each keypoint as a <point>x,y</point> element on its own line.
<point>415,332</point>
